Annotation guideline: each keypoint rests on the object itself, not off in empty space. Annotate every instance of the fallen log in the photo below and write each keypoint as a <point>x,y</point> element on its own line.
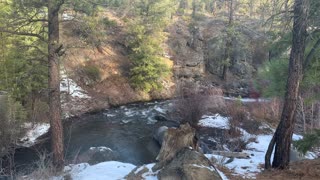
<point>239,155</point>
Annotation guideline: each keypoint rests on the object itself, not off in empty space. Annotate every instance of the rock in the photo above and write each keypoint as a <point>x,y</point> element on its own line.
<point>243,69</point>
<point>96,155</point>
<point>179,31</point>
<point>295,155</point>
<point>160,118</point>
<point>159,134</point>
<point>167,122</point>
<point>192,64</point>
<point>137,173</point>
<point>204,148</point>
<point>174,140</point>
<point>237,88</point>
<point>189,164</point>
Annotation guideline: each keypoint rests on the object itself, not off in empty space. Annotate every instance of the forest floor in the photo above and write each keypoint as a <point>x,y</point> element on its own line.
<point>301,170</point>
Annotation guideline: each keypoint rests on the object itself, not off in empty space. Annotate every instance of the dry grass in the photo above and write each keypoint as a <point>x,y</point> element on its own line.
<point>268,112</point>
<point>302,170</point>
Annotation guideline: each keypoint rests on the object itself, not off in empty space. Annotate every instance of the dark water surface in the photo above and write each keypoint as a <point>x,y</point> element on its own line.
<point>128,130</point>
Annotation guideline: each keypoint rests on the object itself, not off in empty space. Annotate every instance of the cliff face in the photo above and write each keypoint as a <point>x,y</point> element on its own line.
<point>199,47</point>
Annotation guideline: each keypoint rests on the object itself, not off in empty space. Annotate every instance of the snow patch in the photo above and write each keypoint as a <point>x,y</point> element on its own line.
<point>215,121</point>
<point>33,133</point>
<point>149,175</point>
<point>110,170</point>
<point>69,86</point>
<point>248,168</point>
<point>202,166</point>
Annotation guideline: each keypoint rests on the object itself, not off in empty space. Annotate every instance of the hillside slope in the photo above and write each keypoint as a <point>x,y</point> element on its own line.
<point>193,48</point>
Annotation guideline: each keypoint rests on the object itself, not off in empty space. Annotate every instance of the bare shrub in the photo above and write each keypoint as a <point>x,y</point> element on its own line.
<point>268,111</point>
<point>239,119</point>
<point>38,110</point>
<point>239,144</point>
<point>252,127</point>
<point>44,168</point>
<point>12,115</point>
<point>192,103</point>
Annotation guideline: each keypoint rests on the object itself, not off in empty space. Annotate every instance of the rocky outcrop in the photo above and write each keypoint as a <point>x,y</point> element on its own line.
<point>189,164</point>
<point>237,88</point>
<point>186,44</point>
<point>174,140</point>
<point>179,158</point>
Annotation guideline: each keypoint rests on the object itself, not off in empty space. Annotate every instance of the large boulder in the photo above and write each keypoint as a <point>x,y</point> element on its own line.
<point>96,155</point>
<point>189,164</point>
<point>159,134</point>
<point>174,140</point>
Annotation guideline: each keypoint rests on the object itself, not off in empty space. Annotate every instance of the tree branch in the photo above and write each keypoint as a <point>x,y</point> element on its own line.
<point>277,14</point>
<point>311,54</point>
<point>37,48</point>
<point>24,34</point>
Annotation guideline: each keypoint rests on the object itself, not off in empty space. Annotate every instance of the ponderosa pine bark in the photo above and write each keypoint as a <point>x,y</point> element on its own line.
<point>228,48</point>
<point>54,49</point>
<point>282,138</point>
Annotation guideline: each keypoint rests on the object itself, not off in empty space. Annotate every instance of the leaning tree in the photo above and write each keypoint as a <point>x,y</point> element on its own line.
<point>282,138</point>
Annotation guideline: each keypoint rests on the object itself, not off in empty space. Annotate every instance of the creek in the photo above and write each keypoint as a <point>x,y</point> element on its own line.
<point>128,130</point>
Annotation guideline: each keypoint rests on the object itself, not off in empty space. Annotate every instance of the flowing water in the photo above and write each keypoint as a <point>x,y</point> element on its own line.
<point>128,130</point>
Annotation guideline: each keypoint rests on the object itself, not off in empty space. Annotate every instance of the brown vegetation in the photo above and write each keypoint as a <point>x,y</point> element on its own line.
<point>302,170</point>
<point>193,103</point>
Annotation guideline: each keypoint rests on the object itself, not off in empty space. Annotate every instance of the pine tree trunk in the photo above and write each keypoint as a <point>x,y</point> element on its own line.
<point>193,8</point>
<point>54,84</point>
<point>227,54</point>
<point>283,136</point>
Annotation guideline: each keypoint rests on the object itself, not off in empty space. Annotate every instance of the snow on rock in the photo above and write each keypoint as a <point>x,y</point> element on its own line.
<point>202,166</point>
<point>216,121</point>
<point>110,170</point>
<point>149,175</point>
<point>160,110</point>
<point>100,148</point>
<point>34,131</point>
<point>69,86</point>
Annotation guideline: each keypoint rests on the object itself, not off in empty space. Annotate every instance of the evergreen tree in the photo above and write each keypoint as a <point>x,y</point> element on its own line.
<point>282,138</point>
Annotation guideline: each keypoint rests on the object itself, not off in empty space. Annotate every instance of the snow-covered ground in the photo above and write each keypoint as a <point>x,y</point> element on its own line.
<point>70,87</point>
<point>33,132</point>
<point>110,170</point>
<point>215,121</point>
<point>247,168</point>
